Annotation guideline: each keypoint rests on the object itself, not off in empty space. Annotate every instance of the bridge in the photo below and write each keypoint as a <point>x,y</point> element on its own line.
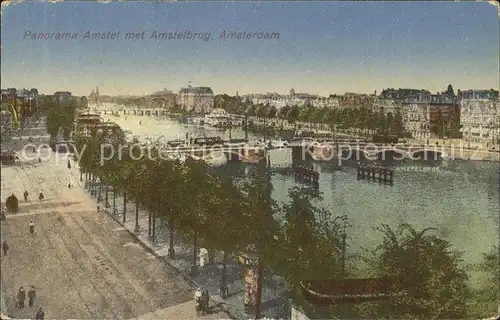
<point>319,151</point>
<point>360,151</point>
<point>133,111</point>
<point>231,151</point>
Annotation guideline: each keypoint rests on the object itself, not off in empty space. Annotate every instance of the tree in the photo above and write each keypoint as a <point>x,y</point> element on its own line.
<point>428,283</point>
<point>196,202</point>
<point>61,116</point>
<point>312,240</point>
<point>223,232</point>
<point>485,300</point>
<point>293,114</point>
<point>173,186</point>
<point>397,123</point>
<point>258,222</point>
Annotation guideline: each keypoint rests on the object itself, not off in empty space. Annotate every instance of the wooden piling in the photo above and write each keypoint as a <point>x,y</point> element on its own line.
<point>375,173</point>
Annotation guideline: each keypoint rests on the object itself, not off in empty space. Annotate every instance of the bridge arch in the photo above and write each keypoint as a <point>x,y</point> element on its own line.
<point>353,154</point>
<point>427,155</point>
<point>391,154</point>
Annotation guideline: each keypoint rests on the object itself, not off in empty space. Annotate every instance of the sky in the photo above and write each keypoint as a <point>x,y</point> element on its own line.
<point>323,47</point>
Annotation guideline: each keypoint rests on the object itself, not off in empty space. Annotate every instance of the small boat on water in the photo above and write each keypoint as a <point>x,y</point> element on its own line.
<point>176,143</point>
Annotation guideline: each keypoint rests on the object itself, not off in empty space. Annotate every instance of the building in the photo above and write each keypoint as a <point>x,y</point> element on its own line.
<point>480,117</point>
<point>428,115</point>
<point>24,101</point>
<point>401,94</point>
<point>279,101</point>
<point>6,124</point>
<point>386,106</point>
<point>331,102</point>
<point>86,121</point>
<point>196,99</point>
<point>27,101</point>
<point>63,96</point>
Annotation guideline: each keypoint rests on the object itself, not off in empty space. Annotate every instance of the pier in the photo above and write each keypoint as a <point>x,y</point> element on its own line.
<point>375,173</point>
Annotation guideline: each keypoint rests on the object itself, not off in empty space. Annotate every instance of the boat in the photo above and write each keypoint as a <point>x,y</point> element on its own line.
<point>176,143</point>
<point>218,118</point>
<point>208,141</point>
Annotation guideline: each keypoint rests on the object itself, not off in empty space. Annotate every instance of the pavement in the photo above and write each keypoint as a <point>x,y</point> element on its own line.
<point>274,303</point>
<point>83,264</point>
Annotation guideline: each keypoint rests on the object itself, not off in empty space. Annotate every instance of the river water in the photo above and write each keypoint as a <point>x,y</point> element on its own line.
<point>458,198</point>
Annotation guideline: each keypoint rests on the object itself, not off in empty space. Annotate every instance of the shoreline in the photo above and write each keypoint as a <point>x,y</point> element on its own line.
<point>465,154</point>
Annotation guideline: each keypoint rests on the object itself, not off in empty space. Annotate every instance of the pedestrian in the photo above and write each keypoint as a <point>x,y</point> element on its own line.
<point>98,208</point>
<point>5,247</point>
<point>21,296</point>
<point>41,196</point>
<point>32,227</point>
<point>26,195</point>
<point>69,185</point>
<point>31,295</point>
<point>40,314</point>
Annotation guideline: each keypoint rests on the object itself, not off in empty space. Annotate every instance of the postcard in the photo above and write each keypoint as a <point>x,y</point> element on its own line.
<point>250,160</point>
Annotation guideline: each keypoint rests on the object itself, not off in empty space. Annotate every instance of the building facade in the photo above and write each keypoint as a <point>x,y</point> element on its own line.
<point>24,101</point>
<point>386,106</point>
<point>279,101</point>
<point>480,117</point>
<point>196,99</point>
<point>6,124</point>
<point>428,116</point>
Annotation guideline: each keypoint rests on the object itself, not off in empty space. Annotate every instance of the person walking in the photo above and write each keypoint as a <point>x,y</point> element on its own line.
<point>32,227</point>
<point>31,296</point>
<point>21,296</point>
<point>40,314</point>
<point>5,248</point>
<point>26,195</point>
<point>41,196</point>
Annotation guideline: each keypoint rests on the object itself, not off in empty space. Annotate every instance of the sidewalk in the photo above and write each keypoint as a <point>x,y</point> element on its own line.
<point>274,303</point>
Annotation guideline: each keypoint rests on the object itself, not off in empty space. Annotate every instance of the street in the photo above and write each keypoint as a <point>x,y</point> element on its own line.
<point>83,264</point>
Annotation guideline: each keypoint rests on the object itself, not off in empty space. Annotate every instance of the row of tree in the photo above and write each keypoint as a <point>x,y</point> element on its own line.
<point>298,240</point>
<point>364,118</point>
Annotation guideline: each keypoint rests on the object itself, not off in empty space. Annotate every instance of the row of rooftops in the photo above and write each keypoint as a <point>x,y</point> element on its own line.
<point>25,93</point>
<point>196,90</point>
<point>425,96</point>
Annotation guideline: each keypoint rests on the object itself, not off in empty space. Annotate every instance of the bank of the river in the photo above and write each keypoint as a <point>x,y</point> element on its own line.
<point>457,148</point>
<point>459,198</point>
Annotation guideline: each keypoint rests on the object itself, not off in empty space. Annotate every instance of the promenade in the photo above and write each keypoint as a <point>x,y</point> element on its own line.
<point>274,303</point>
<point>83,264</point>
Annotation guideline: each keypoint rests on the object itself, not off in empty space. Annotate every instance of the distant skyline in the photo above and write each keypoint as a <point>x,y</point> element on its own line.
<point>323,47</point>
